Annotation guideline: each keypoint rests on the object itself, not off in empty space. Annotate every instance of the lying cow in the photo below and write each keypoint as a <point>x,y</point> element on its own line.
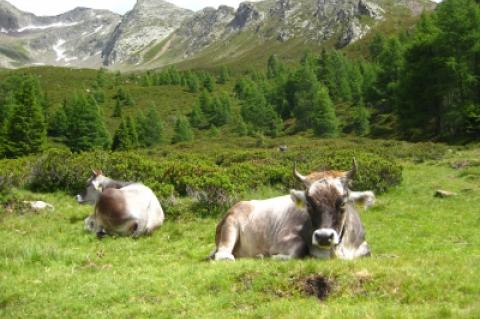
<point>321,221</point>
<point>120,208</point>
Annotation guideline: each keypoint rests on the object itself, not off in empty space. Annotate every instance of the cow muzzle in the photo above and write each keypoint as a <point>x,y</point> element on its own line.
<point>325,237</point>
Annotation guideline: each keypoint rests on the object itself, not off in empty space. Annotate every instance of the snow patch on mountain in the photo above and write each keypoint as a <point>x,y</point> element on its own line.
<point>49,26</point>
<point>59,50</point>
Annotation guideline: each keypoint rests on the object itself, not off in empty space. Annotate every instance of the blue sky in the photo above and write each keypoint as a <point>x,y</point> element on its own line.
<point>53,7</point>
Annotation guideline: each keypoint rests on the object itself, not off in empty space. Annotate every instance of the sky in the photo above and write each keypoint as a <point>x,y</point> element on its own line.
<point>53,7</point>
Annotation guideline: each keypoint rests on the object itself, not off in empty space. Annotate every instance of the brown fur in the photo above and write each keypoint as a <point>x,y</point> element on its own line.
<point>315,176</point>
<point>111,208</point>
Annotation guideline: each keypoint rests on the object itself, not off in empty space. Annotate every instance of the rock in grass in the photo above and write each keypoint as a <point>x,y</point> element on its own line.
<point>38,205</point>
<point>444,194</point>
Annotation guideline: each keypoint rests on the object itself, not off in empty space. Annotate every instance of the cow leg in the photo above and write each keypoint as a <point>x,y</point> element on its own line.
<point>227,236</point>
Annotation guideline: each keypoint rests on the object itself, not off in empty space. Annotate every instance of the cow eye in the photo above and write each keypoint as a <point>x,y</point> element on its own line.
<point>340,204</point>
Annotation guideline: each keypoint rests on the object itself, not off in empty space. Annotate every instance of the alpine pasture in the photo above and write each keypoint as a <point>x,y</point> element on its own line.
<point>424,263</point>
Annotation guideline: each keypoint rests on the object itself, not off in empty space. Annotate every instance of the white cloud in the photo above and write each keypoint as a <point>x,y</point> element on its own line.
<point>53,7</point>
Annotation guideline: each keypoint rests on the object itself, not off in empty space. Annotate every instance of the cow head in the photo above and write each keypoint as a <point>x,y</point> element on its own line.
<point>325,200</point>
<point>92,189</point>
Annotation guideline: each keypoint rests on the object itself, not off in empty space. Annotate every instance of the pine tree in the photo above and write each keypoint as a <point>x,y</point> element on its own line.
<point>121,141</point>
<point>5,111</point>
<point>58,124</point>
<point>197,118</point>
<point>224,75</point>
<point>258,114</point>
<point>239,125</point>
<point>182,131</point>
<point>377,45</point>
<point>150,128</point>
<point>132,132</point>
<point>118,110</point>
<point>86,128</point>
<point>128,101</point>
<point>304,87</point>
<point>323,116</point>
<point>221,111</point>
<point>193,83</point>
<point>274,67</point>
<point>438,87</point>
<point>356,84</point>
<point>208,82</point>
<point>26,129</point>
<point>361,121</point>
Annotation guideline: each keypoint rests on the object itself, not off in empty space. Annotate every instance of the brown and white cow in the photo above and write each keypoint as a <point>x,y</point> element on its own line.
<point>321,221</point>
<point>120,207</point>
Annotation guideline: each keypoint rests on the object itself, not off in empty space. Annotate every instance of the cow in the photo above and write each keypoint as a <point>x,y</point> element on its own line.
<point>321,222</point>
<point>122,208</point>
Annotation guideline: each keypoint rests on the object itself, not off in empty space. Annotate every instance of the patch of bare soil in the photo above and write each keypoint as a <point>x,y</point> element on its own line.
<point>318,286</point>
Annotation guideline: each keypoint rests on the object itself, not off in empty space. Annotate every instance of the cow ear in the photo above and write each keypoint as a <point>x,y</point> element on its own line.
<point>299,198</point>
<point>97,172</point>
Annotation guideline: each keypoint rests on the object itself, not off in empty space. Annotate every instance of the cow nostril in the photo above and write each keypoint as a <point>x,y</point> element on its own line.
<point>331,236</point>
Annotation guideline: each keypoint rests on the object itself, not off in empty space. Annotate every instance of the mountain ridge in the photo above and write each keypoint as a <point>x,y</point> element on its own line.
<point>156,33</point>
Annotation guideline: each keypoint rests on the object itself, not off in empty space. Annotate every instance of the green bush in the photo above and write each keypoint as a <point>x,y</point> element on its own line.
<point>215,180</point>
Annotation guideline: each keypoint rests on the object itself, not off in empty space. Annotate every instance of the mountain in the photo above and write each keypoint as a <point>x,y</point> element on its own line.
<point>148,22</point>
<point>74,38</point>
<point>156,33</point>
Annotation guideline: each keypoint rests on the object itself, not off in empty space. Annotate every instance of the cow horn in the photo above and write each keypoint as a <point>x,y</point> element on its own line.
<point>299,176</point>
<point>351,173</point>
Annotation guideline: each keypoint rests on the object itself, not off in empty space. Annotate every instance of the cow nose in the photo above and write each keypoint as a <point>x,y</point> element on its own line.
<point>325,237</point>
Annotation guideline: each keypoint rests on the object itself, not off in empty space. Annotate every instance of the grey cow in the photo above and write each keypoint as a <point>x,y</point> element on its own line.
<point>321,221</point>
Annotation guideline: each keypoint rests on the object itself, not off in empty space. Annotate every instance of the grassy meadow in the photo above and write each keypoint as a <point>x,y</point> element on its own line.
<point>426,253</point>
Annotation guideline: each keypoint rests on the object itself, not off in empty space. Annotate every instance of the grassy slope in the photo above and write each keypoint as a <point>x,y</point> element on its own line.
<point>425,263</point>
<point>61,83</point>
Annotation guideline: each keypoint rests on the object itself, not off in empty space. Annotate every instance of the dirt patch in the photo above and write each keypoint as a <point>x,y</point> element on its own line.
<point>318,286</point>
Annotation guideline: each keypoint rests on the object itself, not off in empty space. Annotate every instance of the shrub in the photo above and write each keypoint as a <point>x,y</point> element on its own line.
<point>213,180</point>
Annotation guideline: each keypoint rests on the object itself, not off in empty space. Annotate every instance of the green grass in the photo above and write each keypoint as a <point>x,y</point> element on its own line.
<point>425,260</point>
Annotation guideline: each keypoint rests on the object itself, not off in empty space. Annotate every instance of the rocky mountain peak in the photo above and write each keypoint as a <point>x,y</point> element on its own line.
<point>246,14</point>
<point>149,22</point>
